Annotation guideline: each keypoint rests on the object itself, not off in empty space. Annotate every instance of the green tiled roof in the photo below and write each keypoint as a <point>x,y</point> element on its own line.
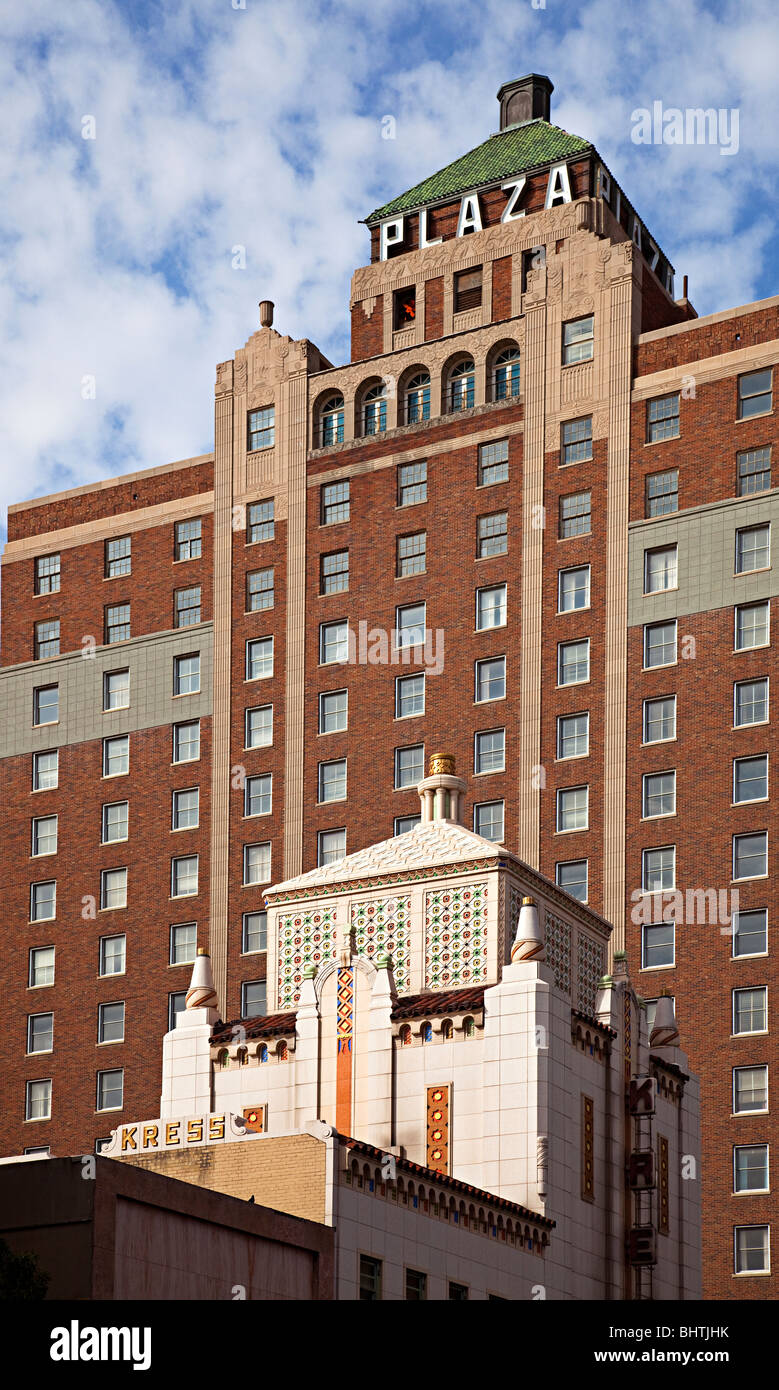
<point>513,151</point>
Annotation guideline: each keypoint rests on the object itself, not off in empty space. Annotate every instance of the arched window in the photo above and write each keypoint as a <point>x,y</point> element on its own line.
<point>418,398</point>
<point>264,1053</point>
<point>447,1030</point>
<point>332,421</point>
<point>405,1035</point>
<point>469,1028</point>
<point>427,1032</point>
<point>505,377</point>
<point>374,410</point>
<point>461,384</point>
<point>281,1051</point>
<point>224,1058</point>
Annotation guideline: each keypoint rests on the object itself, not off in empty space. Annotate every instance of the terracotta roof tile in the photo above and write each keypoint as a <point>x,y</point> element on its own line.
<point>266,1026</point>
<point>442,1001</point>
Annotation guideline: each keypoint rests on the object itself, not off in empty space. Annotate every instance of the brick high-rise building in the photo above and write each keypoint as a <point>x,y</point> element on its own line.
<point>211,677</point>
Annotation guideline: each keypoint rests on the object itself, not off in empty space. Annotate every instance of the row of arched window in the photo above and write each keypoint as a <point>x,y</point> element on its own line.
<point>425,1032</point>
<point>415,400</point>
<point>260,1053</point>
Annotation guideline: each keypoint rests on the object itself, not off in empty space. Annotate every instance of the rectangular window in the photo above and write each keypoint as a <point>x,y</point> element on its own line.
<point>186,742</point>
<point>253,999</point>
<point>45,771</point>
<point>186,674</point>
<point>184,876</point>
<point>116,690</point>
<point>110,1090</point>
<point>493,463</point>
<point>416,1285</point>
<point>750,1168</point>
<point>573,589</point>
<point>186,809</point>
<point>256,863</point>
<point>183,944</point>
<point>662,418</point>
<point>332,780</point>
<point>458,1293</point>
<point>750,778</point>
<point>488,820</point>
<point>410,625</point>
<point>117,623</point>
<point>115,822</point>
<point>47,639</point>
<point>573,735</point>
<point>658,869</point>
<point>409,766</point>
<point>575,515</point>
<point>752,625</point>
<point>660,719</point>
<point>113,889</point>
<point>334,572</point>
<point>750,855</point>
<point>573,808</point>
<point>254,933</point>
<point>658,945</point>
<point>412,483</point>
<point>333,711</point>
<point>44,835</point>
<point>753,471</point>
<point>490,607</point>
<point>177,1003</point>
<point>260,524</point>
<point>750,1089</point>
<point>492,535</point>
<point>116,755</point>
<point>187,607</point>
<point>370,1279</point>
<point>37,1104</point>
<point>259,590</point>
<point>752,1250</point>
<point>576,440</point>
<point>333,643</point>
<point>118,557</point>
<point>753,548</point>
<point>40,1032</point>
<point>110,1023</point>
<point>41,968</point>
<point>490,679</point>
<point>489,753</point>
<point>262,428</point>
<point>572,876</point>
<point>404,307</point>
<point>411,557</point>
<point>755,394</point>
<point>750,933</point>
<point>258,795</point>
<point>258,727</point>
<point>403,824</point>
<point>47,574</point>
<point>188,540</point>
<point>750,1010</point>
<point>330,846</point>
<point>750,702</point>
<point>578,341</point>
<point>659,794</point>
<point>534,259</point>
<point>259,658</point>
<point>409,695</point>
<point>334,503</point>
<point>662,493</point>
<point>46,705</point>
<point>573,662</point>
<point>467,290</point>
<point>113,950</point>
<point>659,644</point>
<point>661,569</point>
<point>43,901</point>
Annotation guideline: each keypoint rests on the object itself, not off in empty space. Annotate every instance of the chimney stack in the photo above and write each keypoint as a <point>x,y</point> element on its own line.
<point>525,99</point>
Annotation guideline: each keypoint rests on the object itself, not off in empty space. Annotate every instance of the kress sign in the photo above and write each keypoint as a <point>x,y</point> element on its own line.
<point>152,1136</point>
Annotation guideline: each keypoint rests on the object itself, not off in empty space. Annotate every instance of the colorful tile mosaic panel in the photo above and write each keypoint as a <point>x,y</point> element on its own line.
<point>384,925</point>
<point>304,938</point>
<point>558,950</point>
<point>456,936</point>
<point>590,967</point>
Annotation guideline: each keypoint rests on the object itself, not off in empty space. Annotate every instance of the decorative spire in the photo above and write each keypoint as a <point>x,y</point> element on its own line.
<point>441,792</point>
<point>201,993</point>
<point>529,940</point>
<point>665,1030</point>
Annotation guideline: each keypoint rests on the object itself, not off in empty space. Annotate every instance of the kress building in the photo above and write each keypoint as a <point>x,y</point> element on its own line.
<point>549,465</point>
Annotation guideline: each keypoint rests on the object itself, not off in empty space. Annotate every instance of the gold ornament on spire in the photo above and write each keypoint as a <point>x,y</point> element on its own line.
<point>441,764</point>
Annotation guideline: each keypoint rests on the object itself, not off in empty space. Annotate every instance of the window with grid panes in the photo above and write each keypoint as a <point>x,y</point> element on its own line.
<point>575,515</point>
<point>259,658</point>
<point>505,374</point>
<point>187,607</point>
<point>259,590</point>
<point>186,809</point>
<point>116,690</point>
<point>409,766</point>
<point>47,574</point>
<point>493,463</point>
<point>573,662</point>
<point>753,471</point>
<point>753,548</point>
<point>658,869</point>
<point>41,968</point>
<point>188,539</point>
<point>186,742</point>
<point>409,695</point>
<point>750,1089</point>
<point>260,524</point>
<point>254,933</point>
<point>662,493</point>
<point>256,863</point>
<point>750,1010</point>
<point>573,735</point>
<point>411,554</point>
<point>750,1168</point>
<point>116,755</point>
<point>490,607</point>
<point>755,395</point>
<point>490,679</point>
<point>262,428</point>
<point>417,398</point>
<point>572,876</point>
<point>573,589</point>
<point>752,621</point>
<point>113,888</point>
<point>184,876</point>
<point>750,703</point>
<point>332,780</point>
<point>661,568</point>
<point>118,557</point>
<point>258,793</point>
<point>115,821</point>
<point>40,1032</point>
<point>45,770</point>
<point>332,422</point>
<point>47,639</point>
<point>750,778</point>
<point>660,719</point>
<point>46,704</point>
<point>576,440</point>
<point>659,797</point>
<point>330,846</point>
<point>410,625</point>
<point>462,383</point>
<point>660,644</point>
<point>110,1090</point>
<point>403,824</point>
<point>578,341</point>
<point>573,808</point>
<point>183,943</point>
<point>112,955</point>
<point>253,998</point>
<point>334,503</point>
<point>489,754</point>
<point>333,643</point>
<point>38,1100</point>
<point>258,732</point>
<point>658,944</point>
<point>750,855</point>
<point>186,674</point>
<point>662,418</point>
<point>333,711</point>
<point>43,901</point>
<point>110,1023</point>
<point>334,572</point>
<point>492,535</point>
<point>117,623</point>
<point>412,483</point>
<point>374,410</point>
<point>750,933</point>
<point>488,820</point>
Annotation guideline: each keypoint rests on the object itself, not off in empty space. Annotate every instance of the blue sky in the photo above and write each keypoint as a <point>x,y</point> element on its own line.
<point>219,127</point>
